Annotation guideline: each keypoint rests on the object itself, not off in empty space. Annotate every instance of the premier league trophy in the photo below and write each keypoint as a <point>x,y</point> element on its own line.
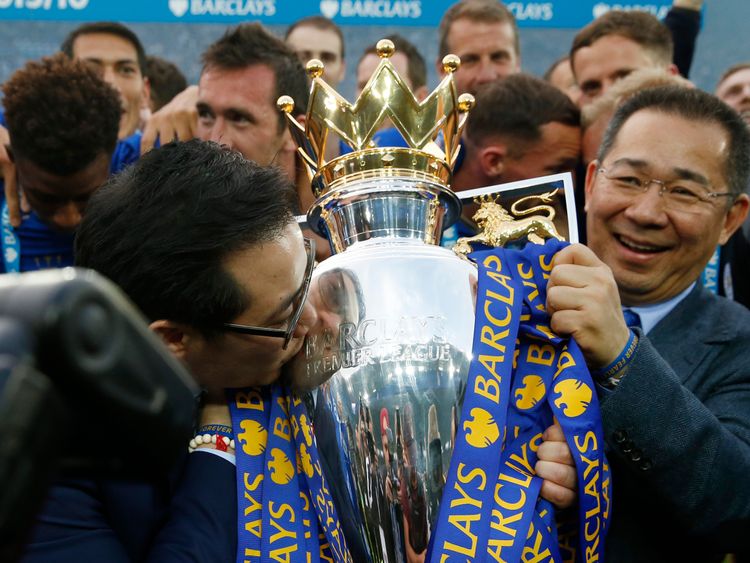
<point>393,344</point>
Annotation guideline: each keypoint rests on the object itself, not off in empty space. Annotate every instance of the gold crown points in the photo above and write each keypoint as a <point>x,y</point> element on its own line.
<point>314,68</point>
<point>465,102</point>
<point>285,104</point>
<point>451,63</point>
<point>385,48</point>
<point>385,96</point>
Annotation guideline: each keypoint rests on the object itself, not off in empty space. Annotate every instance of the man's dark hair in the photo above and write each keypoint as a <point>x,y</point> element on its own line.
<point>110,28</point>
<point>61,115</point>
<point>482,11</point>
<point>417,72</point>
<point>730,71</point>
<point>318,22</point>
<point>250,44</point>
<point>697,106</point>
<point>166,81</point>
<point>163,228</point>
<point>640,27</point>
<point>516,107</point>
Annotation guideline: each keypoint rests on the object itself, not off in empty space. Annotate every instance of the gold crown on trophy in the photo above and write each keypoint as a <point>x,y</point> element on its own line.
<point>386,95</point>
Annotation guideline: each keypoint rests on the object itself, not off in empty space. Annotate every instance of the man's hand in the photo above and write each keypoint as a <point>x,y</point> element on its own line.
<point>584,303</point>
<point>556,466</point>
<point>178,120</point>
<point>15,200</point>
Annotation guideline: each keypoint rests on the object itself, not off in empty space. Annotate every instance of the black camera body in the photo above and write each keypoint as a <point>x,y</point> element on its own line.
<point>86,389</point>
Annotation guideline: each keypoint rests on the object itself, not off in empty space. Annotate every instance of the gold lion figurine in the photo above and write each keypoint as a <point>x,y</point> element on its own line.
<point>498,227</point>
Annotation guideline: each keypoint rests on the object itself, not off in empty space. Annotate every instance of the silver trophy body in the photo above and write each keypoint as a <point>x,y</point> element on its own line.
<point>392,345</point>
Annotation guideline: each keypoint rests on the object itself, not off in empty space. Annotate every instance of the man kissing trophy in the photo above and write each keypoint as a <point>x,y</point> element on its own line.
<point>437,375</point>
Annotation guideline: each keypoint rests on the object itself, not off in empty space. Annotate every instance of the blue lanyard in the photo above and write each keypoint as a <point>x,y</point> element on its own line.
<point>281,489</point>
<point>521,375</point>
<point>11,244</point>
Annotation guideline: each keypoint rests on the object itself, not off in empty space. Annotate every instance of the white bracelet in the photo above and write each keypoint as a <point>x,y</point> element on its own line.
<point>201,439</point>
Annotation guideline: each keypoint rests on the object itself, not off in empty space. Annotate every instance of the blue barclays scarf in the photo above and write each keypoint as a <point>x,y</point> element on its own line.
<point>285,511</point>
<point>522,377</point>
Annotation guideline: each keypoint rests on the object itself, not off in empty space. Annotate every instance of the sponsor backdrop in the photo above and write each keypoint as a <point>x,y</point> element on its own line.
<point>34,28</point>
<point>558,13</point>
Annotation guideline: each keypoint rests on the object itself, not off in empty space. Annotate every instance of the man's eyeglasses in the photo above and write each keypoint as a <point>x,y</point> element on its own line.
<point>681,195</point>
<point>298,305</point>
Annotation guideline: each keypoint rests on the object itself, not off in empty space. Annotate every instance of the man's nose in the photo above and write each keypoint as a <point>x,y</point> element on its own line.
<point>307,320</point>
<point>219,133</point>
<point>109,76</point>
<point>648,208</point>
<point>487,72</point>
<point>67,217</point>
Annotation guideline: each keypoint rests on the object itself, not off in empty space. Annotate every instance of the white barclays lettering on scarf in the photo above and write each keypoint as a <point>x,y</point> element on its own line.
<point>223,7</point>
<point>602,8</point>
<point>405,9</point>
<point>532,11</point>
<point>44,4</point>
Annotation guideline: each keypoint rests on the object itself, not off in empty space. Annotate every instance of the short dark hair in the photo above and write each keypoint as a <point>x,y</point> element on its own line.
<point>250,44</point>
<point>730,71</point>
<point>417,72</point>
<point>517,106</point>
<point>640,27</point>
<point>110,28</point>
<point>163,228</point>
<point>166,81</point>
<point>318,22</point>
<point>697,106</point>
<point>488,11</point>
<point>61,115</point>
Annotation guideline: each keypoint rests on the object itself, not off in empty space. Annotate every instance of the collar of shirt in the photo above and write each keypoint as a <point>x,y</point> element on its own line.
<point>651,314</point>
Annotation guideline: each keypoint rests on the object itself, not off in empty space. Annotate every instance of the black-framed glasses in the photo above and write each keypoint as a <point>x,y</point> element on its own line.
<point>298,306</point>
<point>681,195</point>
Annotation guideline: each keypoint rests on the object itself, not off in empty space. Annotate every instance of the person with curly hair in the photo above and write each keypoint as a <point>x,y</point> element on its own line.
<point>62,123</point>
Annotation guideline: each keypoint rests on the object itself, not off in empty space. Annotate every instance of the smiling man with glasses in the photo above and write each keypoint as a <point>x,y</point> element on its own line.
<point>674,378</point>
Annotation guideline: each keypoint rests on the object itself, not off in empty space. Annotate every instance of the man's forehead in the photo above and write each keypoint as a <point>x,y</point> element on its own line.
<point>628,50</point>
<point>467,24</point>
<point>671,139</point>
<point>740,76</point>
<point>370,62</point>
<point>245,81</point>
<point>104,46</point>
<point>300,37</point>
<point>33,176</point>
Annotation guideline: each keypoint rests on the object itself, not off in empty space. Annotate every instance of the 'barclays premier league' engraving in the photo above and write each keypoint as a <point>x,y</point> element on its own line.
<point>379,341</point>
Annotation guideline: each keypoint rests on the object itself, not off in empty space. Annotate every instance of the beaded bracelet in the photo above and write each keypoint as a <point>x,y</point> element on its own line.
<point>218,434</point>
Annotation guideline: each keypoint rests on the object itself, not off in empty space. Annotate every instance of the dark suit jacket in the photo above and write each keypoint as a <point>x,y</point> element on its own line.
<point>678,431</point>
<point>188,516</point>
